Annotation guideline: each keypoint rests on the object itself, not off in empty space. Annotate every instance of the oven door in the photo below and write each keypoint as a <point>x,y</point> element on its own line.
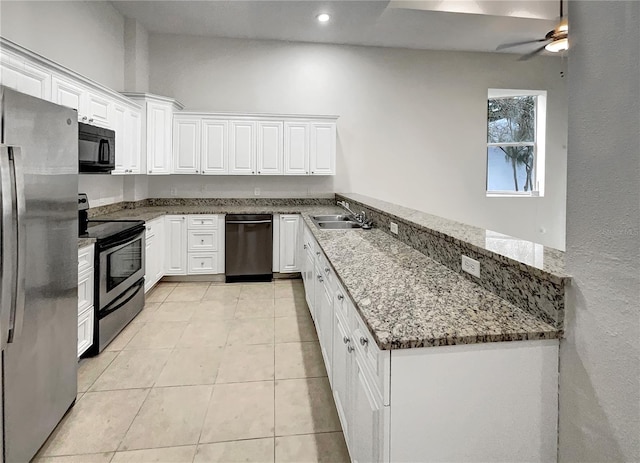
<point>121,265</point>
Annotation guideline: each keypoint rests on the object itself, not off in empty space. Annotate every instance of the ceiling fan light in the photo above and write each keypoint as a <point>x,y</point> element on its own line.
<point>558,45</point>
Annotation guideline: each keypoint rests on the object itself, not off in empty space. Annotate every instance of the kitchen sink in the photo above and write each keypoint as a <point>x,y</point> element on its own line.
<point>338,225</point>
<point>332,218</point>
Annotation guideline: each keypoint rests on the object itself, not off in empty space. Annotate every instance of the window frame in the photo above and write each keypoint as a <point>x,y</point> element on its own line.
<point>539,143</point>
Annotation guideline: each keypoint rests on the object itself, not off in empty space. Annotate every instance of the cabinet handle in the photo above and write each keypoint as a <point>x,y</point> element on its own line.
<point>350,348</point>
<point>340,297</point>
<point>91,120</point>
<point>84,118</point>
<point>326,270</point>
<point>312,172</point>
<point>318,253</point>
<point>149,171</point>
<point>201,264</point>
<point>201,241</point>
<point>363,341</point>
<point>320,279</point>
<point>346,340</point>
<point>304,246</point>
<point>258,172</point>
<point>252,172</point>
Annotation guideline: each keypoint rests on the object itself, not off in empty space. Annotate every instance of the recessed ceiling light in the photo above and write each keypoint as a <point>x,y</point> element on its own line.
<point>323,17</point>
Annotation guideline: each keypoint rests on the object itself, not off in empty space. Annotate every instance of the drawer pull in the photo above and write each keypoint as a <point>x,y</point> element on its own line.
<point>346,340</point>
<point>350,348</point>
<point>340,297</point>
<point>326,270</point>
<point>320,279</point>
<point>318,253</point>
<point>304,246</point>
<point>202,265</point>
<point>363,341</point>
<point>201,241</point>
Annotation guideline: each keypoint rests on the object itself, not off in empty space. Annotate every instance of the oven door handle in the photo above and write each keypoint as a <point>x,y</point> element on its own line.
<point>124,240</point>
<point>133,292</point>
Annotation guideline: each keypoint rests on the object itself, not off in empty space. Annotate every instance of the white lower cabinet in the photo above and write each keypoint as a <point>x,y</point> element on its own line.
<point>85,298</point>
<point>289,235</point>
<point>154,252</point>
<point>194,244</point>
<point>473,402</point>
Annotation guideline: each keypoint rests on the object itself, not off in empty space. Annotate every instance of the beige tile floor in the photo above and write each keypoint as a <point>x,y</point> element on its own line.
<point>206,373</point>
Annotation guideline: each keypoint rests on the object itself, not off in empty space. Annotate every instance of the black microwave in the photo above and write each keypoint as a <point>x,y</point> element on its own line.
<point>96,149</point>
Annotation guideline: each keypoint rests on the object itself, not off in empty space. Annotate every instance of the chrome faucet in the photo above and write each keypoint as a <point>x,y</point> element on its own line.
<point>361,218</point>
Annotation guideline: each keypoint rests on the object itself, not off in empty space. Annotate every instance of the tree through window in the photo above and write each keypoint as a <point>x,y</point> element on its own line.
<point>512,141</point>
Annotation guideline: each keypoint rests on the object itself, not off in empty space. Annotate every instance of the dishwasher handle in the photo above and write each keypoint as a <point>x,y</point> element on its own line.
<point>249,221</point>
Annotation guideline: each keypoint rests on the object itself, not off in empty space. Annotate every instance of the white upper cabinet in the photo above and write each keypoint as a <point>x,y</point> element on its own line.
<point>126,124</point>
<point>296,148</point>
<point>24,76</point>
<point>322,155</point>
<point>215,147</point>
<point>99,109</point>
<point>67,93</point>
<point>133,134</point>
<point>186,145</point>
<point>159,117</point>
<point>270,147</point>
<point>242,147</point>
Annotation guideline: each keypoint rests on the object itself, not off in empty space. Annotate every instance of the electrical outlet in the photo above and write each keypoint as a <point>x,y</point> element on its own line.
<point>174,192</point>
<point>393,227</point>
<point>471,266</point>
<point>256,191</point>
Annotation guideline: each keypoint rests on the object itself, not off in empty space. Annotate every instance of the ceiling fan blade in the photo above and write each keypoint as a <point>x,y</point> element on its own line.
<point>532,54</point>
<point>515,44</point>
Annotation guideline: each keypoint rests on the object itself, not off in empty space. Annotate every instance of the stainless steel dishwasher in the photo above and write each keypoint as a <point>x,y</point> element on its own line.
<point>249,247</point>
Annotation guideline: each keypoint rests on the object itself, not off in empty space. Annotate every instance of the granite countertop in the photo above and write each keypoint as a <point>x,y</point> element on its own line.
<point>152,212</point>
<point>544,261</point>
<point>83,242</point>
<point>405,298</point>
<point>409,300</point>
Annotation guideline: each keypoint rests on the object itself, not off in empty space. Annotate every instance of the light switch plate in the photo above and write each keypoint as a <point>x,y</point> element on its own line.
<point>471,266</point>
<point>393,227</point>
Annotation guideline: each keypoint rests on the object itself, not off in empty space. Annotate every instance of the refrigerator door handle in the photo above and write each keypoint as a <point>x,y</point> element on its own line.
<point>9,251</point>
<point>18,316</point>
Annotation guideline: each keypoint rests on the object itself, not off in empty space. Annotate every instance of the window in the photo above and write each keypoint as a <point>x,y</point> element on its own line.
<point>515,142</point>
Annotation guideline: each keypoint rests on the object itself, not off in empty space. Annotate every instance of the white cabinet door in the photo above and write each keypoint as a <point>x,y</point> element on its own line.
<point>99,110</point>
<point>322,154</point>
<point>85,330</point>
<point>159,249</point>
<point>159,118</point>
<point>289,235</point>
<point>133,134</point>
<point>25,77</point>
<point>176,245</point>
<point>150,261</point>
<point>342,356</point>
<point>309,282</point>
<point>122,151</point>
<point>242,147</point>
<point>324,323</point>
<point>270,149</point>
<point>215,147</point>
<point>296,148</point>
<point>69,94</point>
<point>366,439</point>
<point>186,145</point>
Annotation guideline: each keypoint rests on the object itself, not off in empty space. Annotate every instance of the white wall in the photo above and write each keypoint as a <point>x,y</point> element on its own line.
<point>136,57</point>
<point>85,36</point>
<point>101,189</point>
<point>600,357</point>
<point>412,127</point>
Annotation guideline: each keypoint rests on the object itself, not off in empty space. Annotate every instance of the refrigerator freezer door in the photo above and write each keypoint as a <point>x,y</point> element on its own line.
<point>40,364</point>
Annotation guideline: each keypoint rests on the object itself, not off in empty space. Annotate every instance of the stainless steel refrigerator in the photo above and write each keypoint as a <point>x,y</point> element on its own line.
<point>38,269</point>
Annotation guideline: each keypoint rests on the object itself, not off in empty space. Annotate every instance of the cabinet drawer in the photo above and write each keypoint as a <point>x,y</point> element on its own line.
<point>341,303</point>
<point>85,259</point>
<point>203,240</point>
<point>85,330</point>
<point>205,263</point>
<point>202,221</point>
<point>85,290</point>
<point>309,240</point>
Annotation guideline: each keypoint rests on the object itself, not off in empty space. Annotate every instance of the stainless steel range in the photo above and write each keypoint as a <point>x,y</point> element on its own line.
<point>119,276</point>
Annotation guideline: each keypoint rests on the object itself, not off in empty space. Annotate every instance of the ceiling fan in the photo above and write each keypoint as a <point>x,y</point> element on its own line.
<point>557,39</point>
